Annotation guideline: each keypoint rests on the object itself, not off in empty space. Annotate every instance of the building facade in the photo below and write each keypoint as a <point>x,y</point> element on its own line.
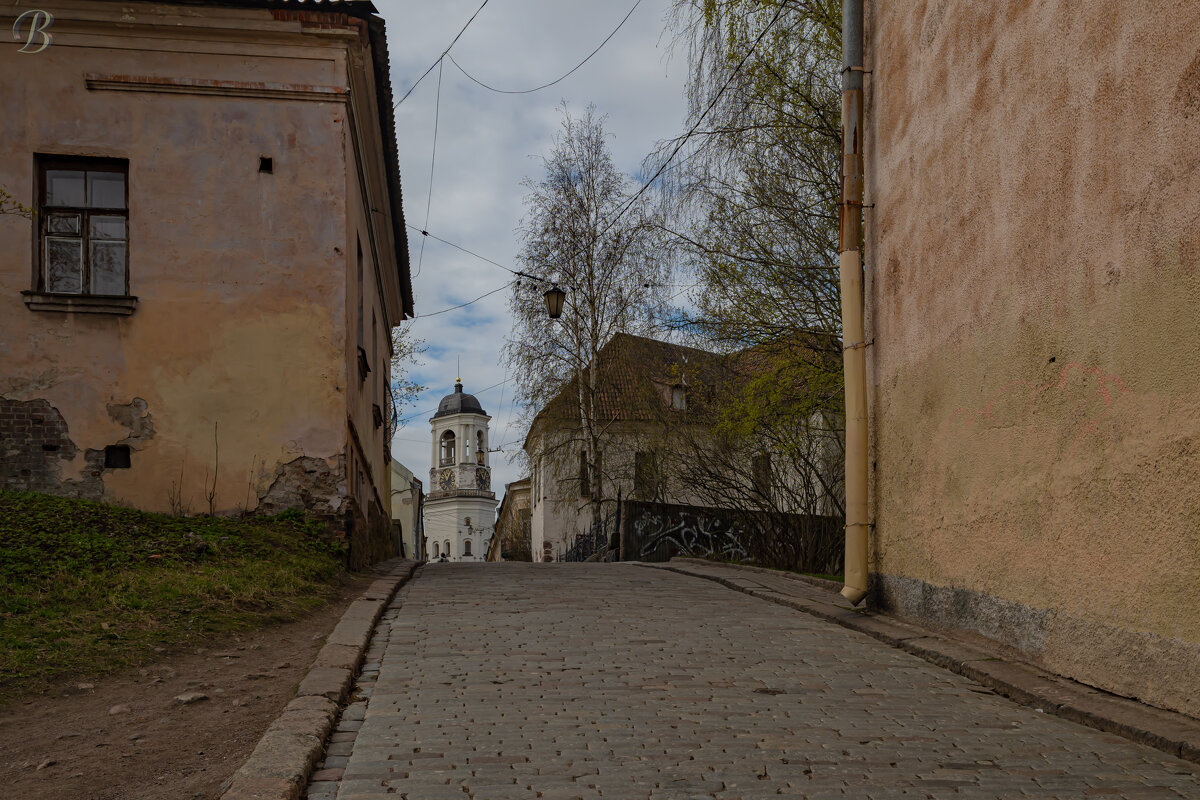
<point>460,511</point>
<point>408,512</point>
<point>1032,257</point>
<point>657,404</point>
<point>512,541</point>
<point>196,316</point>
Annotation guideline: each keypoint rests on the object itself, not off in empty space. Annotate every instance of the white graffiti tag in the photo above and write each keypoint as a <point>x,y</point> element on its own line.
<point>692,535</point>
<point>39,26</point>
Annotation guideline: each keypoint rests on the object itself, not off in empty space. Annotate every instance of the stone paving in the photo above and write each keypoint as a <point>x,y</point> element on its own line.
<point>579,681</point>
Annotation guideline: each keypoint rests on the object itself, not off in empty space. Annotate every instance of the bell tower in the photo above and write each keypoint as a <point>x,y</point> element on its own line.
<point>460,510</point>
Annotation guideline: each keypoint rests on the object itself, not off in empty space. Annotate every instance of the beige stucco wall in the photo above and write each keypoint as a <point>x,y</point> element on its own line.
<point>1033,268</point>
<point>243,278</point>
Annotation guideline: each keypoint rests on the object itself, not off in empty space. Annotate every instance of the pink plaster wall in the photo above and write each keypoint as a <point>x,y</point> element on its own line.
<point>241,276</point>
<point>1033,267</point>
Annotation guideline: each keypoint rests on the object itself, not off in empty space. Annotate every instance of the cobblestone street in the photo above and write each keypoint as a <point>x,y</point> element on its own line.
<point>565,681</point>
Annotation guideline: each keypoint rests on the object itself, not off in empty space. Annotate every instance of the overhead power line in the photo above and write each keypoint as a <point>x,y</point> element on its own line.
<point>556,80</point>
<point>443,55</point>
<point>683,139</point>
<point>437,112</point>
<point>416,414</point>
<point>463,249</point>
<point>464,305</point>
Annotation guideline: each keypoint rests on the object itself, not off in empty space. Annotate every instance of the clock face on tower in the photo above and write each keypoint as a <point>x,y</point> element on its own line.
<point>446,480</point>
<point>483,478</point>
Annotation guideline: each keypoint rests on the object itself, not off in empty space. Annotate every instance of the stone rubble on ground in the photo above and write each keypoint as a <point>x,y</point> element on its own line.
<point>191,697</point>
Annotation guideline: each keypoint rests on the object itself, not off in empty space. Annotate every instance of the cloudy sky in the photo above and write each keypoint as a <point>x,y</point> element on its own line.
<point>487,144</point>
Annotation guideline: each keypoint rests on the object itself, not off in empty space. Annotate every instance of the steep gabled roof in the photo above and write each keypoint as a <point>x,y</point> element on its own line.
<point>635,375</point>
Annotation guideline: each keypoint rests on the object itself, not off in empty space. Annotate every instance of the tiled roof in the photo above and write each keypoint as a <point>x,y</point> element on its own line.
<point>633,373</point>
<point>636,376</point>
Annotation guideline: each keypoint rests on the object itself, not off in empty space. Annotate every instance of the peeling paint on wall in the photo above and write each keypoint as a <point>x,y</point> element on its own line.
<point>133,416</point>
<point>316,484</point>
<point>37,451</point>
<point>34,444</point>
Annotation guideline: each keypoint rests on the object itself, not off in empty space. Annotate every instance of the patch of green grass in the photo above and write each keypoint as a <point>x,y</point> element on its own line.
<point>88,588</point>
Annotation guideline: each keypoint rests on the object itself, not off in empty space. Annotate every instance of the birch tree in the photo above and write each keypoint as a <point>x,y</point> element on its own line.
<point>584,231</point>
<point>751,203</point>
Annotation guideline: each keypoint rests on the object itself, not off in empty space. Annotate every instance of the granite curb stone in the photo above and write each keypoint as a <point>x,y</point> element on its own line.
<point>279,767</point>
<point>1168,731</point>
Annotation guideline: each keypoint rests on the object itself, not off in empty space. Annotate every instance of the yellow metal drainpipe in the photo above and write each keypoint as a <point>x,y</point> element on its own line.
<point>854,355</point>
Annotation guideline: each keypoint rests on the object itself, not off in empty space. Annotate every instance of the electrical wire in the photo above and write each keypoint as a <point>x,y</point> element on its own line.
<point>437,110</point>
<point>556,80</point>
<point>464,305</point>
<point>463,249</point>
<point>416,414</point>
<point>439,58</point>
<point>683,139</point>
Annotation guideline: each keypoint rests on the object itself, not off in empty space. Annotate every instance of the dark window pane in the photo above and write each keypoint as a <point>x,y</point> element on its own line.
<point>107,228</point>
<point>63,223</point>
<point>106,190</point>
<point>64,265</point>
<point>65,188</point>
<point>108,267</point>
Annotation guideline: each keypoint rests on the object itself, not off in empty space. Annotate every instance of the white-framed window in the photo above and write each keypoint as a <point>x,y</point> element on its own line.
<point>83,226</point>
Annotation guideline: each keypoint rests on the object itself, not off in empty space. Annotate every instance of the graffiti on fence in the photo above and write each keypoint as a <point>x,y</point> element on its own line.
<point>689,535</point>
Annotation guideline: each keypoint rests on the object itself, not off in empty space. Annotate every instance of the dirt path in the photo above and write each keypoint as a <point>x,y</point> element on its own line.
<point>127,737</point>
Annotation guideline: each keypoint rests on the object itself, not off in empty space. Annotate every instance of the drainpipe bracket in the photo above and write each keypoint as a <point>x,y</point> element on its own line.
<point>856,346</point>
<point>856,69</point>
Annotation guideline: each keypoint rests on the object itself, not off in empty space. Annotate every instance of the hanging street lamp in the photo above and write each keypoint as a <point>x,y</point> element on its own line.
<point>554,301</point>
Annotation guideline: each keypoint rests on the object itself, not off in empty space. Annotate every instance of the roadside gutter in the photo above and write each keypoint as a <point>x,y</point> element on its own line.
<point>279,767</point>
<point>1168,731</point>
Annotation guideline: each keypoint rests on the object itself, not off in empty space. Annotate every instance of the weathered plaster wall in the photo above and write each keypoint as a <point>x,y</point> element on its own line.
<point>367,403</point>
<point>1033,265</point>
<point>236,348</point>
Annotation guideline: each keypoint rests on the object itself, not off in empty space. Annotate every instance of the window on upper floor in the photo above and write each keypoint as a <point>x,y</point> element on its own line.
<point>83,226</point>
<point>447,458</point>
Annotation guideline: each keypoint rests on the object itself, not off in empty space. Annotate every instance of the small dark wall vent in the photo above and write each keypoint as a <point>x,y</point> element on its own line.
<point>266,164</point>
<point>116,456</point>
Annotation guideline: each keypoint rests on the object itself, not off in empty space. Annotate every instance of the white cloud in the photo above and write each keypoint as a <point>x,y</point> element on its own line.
<point>487,144</point>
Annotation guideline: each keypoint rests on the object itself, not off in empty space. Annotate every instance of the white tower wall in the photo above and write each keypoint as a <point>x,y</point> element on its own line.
<point>460,509</point>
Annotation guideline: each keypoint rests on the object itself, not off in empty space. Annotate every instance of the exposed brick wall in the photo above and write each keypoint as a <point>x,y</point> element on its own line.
<point>34,443</point>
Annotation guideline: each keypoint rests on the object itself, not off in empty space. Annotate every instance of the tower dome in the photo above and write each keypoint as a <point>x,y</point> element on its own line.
<point>458,403</point>
<point>460,509</point>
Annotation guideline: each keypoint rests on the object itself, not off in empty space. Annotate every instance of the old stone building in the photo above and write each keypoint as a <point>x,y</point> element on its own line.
<point>512,541</point>
<point>657,404</point>
<point>197,315</point>
<point>1031,262</point>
